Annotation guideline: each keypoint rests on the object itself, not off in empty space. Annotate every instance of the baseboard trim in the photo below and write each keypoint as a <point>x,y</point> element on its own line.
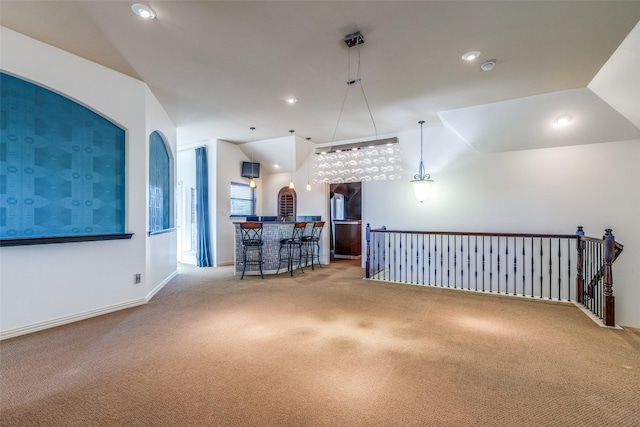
<point>160,286</point>
<point>593,317</point>
<point>224,264</point>
<point>40,326</point>
<point>35,327</point>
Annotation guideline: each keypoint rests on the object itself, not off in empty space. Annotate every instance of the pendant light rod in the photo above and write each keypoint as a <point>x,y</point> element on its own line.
<point>354,40</point>
<point>421,175</point>
<point>366,101</point>
<point>293,161</point>
<point>308,166</point>
<point>252,182</point>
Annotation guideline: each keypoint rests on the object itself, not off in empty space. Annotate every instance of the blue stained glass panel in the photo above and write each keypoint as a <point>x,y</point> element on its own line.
<point>159,184</point>
<point>62,166</point>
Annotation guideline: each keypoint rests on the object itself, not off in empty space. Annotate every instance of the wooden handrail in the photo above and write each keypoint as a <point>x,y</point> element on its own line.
<point>619,247</point>
<point>474,233</point>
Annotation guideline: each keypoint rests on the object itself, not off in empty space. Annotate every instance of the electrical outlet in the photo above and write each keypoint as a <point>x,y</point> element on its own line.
<point>137,278</point>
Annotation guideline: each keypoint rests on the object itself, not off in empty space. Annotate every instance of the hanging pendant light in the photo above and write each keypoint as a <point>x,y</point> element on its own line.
<point>308,180</point>
<point>422,181</point>
<point>293,161</point>
<point>252,183</point>
<point>367,160</point>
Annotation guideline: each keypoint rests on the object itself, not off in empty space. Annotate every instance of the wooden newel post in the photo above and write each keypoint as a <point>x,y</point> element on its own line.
<point>580,267</point>
<point>609,303</point>
<point>367,263</point>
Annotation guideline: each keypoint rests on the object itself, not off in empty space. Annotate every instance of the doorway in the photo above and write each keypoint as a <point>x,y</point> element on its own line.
<point>345,220</point>
<point>186,213</point>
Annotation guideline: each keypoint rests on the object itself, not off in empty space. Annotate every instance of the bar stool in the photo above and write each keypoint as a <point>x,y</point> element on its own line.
<point>289,246</point>
<point>251,233</point>
<point>312,243</point>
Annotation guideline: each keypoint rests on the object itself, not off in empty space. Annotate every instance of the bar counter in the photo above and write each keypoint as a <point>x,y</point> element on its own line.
<point>272,233</point>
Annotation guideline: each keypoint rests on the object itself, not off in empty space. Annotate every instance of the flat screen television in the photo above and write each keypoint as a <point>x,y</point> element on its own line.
<point>250,170</point>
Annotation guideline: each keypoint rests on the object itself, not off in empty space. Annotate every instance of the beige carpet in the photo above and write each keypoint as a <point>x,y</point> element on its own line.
<point>324,348</point>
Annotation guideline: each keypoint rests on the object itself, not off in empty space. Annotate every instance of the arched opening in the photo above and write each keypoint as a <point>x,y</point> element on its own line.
<point>287,204</point>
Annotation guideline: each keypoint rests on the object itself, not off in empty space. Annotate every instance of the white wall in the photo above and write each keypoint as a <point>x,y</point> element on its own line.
<point>538,191</point>
<point>227,169</point>
<point>161,250</point>
<point>46,285</point>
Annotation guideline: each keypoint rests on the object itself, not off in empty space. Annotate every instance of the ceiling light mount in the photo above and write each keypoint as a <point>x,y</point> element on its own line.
<point>354,39</point>
<point>489,65</point>
<point>143,11</point>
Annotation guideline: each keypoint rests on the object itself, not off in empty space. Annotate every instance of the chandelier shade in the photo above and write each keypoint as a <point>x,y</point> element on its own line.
<point>422,188</point>
<point>362,164</point>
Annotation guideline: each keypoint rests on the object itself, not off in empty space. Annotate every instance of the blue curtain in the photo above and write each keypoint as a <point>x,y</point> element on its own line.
<point>203,255</point>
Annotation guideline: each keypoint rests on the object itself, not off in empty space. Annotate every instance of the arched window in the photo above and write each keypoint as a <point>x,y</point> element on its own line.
<point>159,184</point>
<point>287,201</point>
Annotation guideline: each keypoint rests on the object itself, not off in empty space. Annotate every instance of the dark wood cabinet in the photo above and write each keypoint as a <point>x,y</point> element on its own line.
<point>348,239</point>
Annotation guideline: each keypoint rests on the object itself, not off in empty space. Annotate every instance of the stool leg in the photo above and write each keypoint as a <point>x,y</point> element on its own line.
<point>312,247</point>
<point>279,259</point>
<point>300,257</point>
<point>291,259</point>
<point>317,245</point>
<point>244,261</point>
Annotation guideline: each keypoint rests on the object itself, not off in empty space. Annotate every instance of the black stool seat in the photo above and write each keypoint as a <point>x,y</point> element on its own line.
<point>291,248</point>
<point>312,244</point>
<point>251,233</point>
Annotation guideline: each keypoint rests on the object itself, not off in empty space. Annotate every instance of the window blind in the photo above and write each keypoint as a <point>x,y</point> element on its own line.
<point>243,200</point>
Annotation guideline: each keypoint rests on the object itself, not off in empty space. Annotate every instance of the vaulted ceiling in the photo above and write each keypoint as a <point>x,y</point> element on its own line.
<point>220,67</point>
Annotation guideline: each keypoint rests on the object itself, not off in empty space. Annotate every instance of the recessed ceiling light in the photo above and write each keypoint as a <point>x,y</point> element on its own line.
<point>562,120</point>
<point>143,11</point>
<point>470,56</point>
<point>488,66</point>
<point>291,100</point>
<point>276,166</point>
